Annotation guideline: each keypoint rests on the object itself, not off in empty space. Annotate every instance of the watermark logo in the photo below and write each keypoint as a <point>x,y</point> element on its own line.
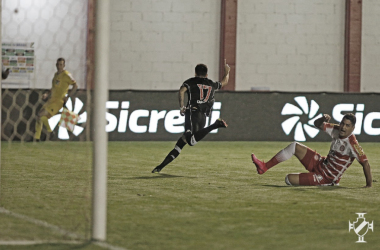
<point>360,227</point>
<point>303,109</point>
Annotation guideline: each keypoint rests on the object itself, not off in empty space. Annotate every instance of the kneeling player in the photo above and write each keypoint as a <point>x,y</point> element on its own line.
<point>323,171</point>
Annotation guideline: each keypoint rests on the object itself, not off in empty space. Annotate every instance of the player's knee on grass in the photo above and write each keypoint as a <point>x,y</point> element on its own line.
<point>287,180</point>
<point>292,179</point>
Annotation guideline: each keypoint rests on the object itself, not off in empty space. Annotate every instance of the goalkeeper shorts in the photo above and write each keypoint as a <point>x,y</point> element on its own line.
<point>53,106</point>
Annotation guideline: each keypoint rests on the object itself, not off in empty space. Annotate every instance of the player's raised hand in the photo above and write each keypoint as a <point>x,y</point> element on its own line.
<point>45,96</point>
<point>327,117</point>
<point>226,66</point>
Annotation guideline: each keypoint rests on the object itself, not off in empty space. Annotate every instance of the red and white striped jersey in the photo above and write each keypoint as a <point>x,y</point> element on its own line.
<point>342,153</point>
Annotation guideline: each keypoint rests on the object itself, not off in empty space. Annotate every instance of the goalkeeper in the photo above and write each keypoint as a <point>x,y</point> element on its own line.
<point>60,86</point>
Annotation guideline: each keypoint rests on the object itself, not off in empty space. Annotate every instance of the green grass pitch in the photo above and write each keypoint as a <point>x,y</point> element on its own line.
<point>210,197</point>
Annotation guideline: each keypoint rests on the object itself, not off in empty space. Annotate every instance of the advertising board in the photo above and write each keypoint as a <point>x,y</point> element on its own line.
<point>251,116</point>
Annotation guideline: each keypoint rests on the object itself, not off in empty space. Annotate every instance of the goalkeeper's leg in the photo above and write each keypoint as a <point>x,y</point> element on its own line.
<point>42,119</point>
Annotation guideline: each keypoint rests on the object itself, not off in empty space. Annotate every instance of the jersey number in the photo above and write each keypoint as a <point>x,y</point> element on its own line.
<point>201,88</point>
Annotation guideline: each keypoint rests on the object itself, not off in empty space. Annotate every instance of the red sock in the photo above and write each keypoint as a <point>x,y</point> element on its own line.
<point>271,163</point>
<point>283,155</point>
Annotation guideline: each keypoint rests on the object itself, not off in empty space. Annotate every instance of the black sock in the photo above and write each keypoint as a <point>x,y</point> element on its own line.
<point>173,154</point>
<point>199,135</point>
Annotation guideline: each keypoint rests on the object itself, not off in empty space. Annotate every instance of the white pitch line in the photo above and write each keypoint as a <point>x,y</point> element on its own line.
<point>36,242</point>
<point>56,229</point>
<point>41,223</point>
<point>106,245</point>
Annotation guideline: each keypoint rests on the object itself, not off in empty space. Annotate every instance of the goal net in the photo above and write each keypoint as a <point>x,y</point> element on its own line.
<point>45,188</point>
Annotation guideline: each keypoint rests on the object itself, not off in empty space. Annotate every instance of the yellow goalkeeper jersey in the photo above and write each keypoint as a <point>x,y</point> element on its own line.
<point>60,85</point>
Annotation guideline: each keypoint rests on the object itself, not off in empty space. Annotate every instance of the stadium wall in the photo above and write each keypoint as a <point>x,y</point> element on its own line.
<point>282,45</point>
<point>290,45</point>
<point>370,73</point>
<point>155,45</point>
<point>154,115</point>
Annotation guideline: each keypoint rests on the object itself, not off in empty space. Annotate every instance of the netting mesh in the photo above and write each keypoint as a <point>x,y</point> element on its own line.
<point>18,109</point>
<point>18,116</point>
<point>46,183</point>
<point>34,35</point>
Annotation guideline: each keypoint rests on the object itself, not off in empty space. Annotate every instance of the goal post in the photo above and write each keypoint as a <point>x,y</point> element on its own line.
<point>99,204</point>
<point>1,100</point>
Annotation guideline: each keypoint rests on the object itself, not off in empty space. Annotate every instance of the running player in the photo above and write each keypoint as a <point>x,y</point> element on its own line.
<point>323,171</point>
<point>60,86</point>
<point>200,91</point>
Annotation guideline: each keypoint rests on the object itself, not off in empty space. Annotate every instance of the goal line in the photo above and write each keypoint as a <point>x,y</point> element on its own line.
<point>75,238</point>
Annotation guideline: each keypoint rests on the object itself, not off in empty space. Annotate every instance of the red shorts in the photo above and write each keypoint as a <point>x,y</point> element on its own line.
<point>313,163</point>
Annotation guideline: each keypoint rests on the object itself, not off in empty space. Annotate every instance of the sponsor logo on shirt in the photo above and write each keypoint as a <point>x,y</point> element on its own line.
<point>359,149</point>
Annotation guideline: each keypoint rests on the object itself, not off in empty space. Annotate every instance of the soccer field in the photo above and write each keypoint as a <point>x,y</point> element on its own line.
<point>210,197</point>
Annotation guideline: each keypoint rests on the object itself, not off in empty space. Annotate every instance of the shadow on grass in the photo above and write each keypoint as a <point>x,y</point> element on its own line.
<point>329,188</point>
<point>158,176</point>
<point>276,186</point>
<point>304,188</point>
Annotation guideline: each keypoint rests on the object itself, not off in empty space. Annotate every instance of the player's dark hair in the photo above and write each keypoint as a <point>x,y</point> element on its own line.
<point>61,59</point>
<point>201,70</point>
<point>351,117</point>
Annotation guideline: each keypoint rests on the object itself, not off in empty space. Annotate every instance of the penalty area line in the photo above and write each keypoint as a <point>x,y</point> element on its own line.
<point>53,228</point>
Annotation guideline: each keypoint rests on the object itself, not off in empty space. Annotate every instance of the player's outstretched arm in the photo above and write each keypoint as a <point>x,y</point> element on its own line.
<point>71,94</point>
<point>73,90</point>
<point>319,122</point>
<point>226,76</point>
<point>181,99</point>
<point>367,174</point>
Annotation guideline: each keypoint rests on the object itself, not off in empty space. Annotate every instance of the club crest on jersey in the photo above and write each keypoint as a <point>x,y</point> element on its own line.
<point>332,152</point>
<point>342,148</point>
<point>56,82</point>
<point>360,227</point>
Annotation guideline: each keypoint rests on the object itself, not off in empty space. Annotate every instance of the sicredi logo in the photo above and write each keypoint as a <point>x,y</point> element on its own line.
<point>173,121</point>
<point>363,124</point>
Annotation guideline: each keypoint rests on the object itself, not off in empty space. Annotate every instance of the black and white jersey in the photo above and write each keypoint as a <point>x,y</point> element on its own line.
<point>200,93</point>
